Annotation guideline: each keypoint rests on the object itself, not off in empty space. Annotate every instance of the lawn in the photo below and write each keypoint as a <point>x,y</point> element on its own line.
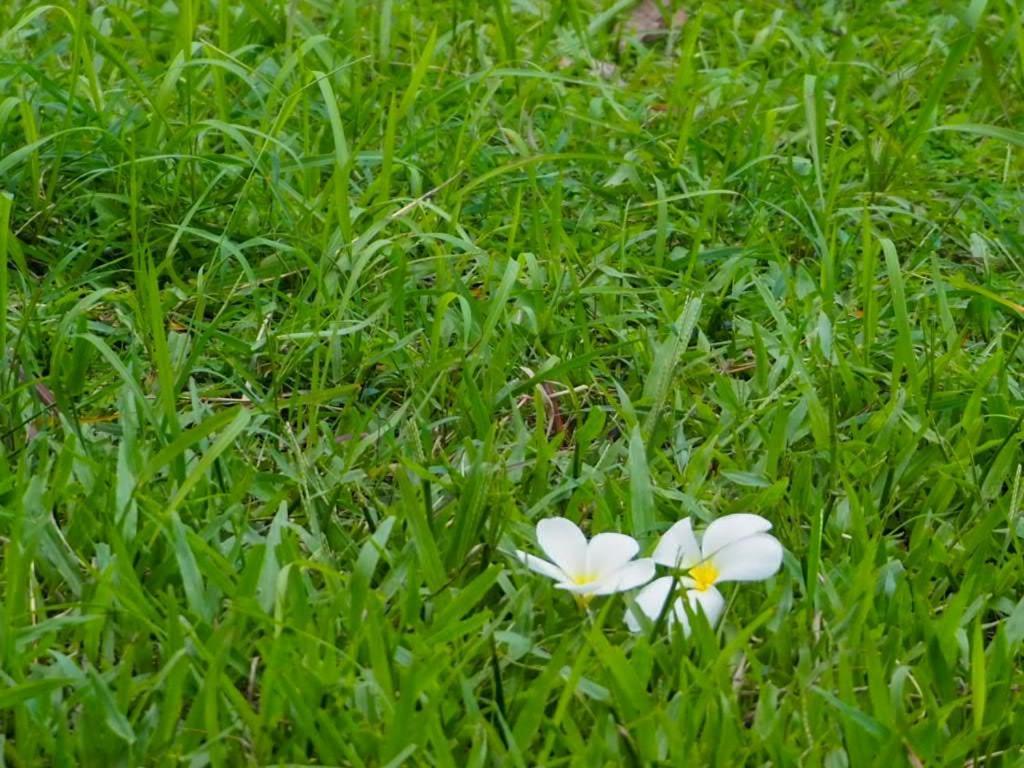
<point>311,310</point>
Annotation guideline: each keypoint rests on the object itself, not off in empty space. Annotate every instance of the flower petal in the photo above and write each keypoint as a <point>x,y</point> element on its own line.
<point>650,601</point>
<point>731,528</point>
<point>709,601</point>
<point>564,543</point>
<point>750,559</point>
<point>608,552</point>
<point>629,576</point>
<point>678,546</point>
<point>543,567</point>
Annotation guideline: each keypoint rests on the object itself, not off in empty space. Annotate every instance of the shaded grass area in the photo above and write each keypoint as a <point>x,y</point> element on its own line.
<point>311,310</point>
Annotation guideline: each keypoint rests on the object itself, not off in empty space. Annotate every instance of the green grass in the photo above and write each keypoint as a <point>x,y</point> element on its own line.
<point>309,311</point>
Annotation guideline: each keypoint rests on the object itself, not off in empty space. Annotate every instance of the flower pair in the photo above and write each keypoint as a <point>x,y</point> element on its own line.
<point>733,548</point>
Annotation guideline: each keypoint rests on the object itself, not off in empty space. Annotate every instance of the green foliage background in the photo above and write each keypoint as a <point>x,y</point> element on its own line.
<point>310,309</point>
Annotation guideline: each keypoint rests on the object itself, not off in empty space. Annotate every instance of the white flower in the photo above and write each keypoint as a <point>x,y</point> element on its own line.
<point>652,598</point>
<point>734,548</point>
<point>600,567</point>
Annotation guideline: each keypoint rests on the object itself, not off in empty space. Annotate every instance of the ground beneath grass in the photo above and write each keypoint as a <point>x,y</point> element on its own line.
<point>310,310</point>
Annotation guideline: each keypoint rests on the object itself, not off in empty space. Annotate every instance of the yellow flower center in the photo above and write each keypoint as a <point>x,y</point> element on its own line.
<point>581,580</point>
<point>705,575</point>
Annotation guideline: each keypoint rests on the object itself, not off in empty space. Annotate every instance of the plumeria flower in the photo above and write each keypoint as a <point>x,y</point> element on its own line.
<point>601,567</point>
<point>734,548</point>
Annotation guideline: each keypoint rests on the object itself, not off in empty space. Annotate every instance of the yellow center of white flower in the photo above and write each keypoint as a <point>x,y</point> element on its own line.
<point>582,579</point>
<point>704,575</point>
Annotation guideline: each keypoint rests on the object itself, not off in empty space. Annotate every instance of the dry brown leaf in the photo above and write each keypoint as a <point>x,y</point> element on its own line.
<point>647,22</point>
<point>605,70</point>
